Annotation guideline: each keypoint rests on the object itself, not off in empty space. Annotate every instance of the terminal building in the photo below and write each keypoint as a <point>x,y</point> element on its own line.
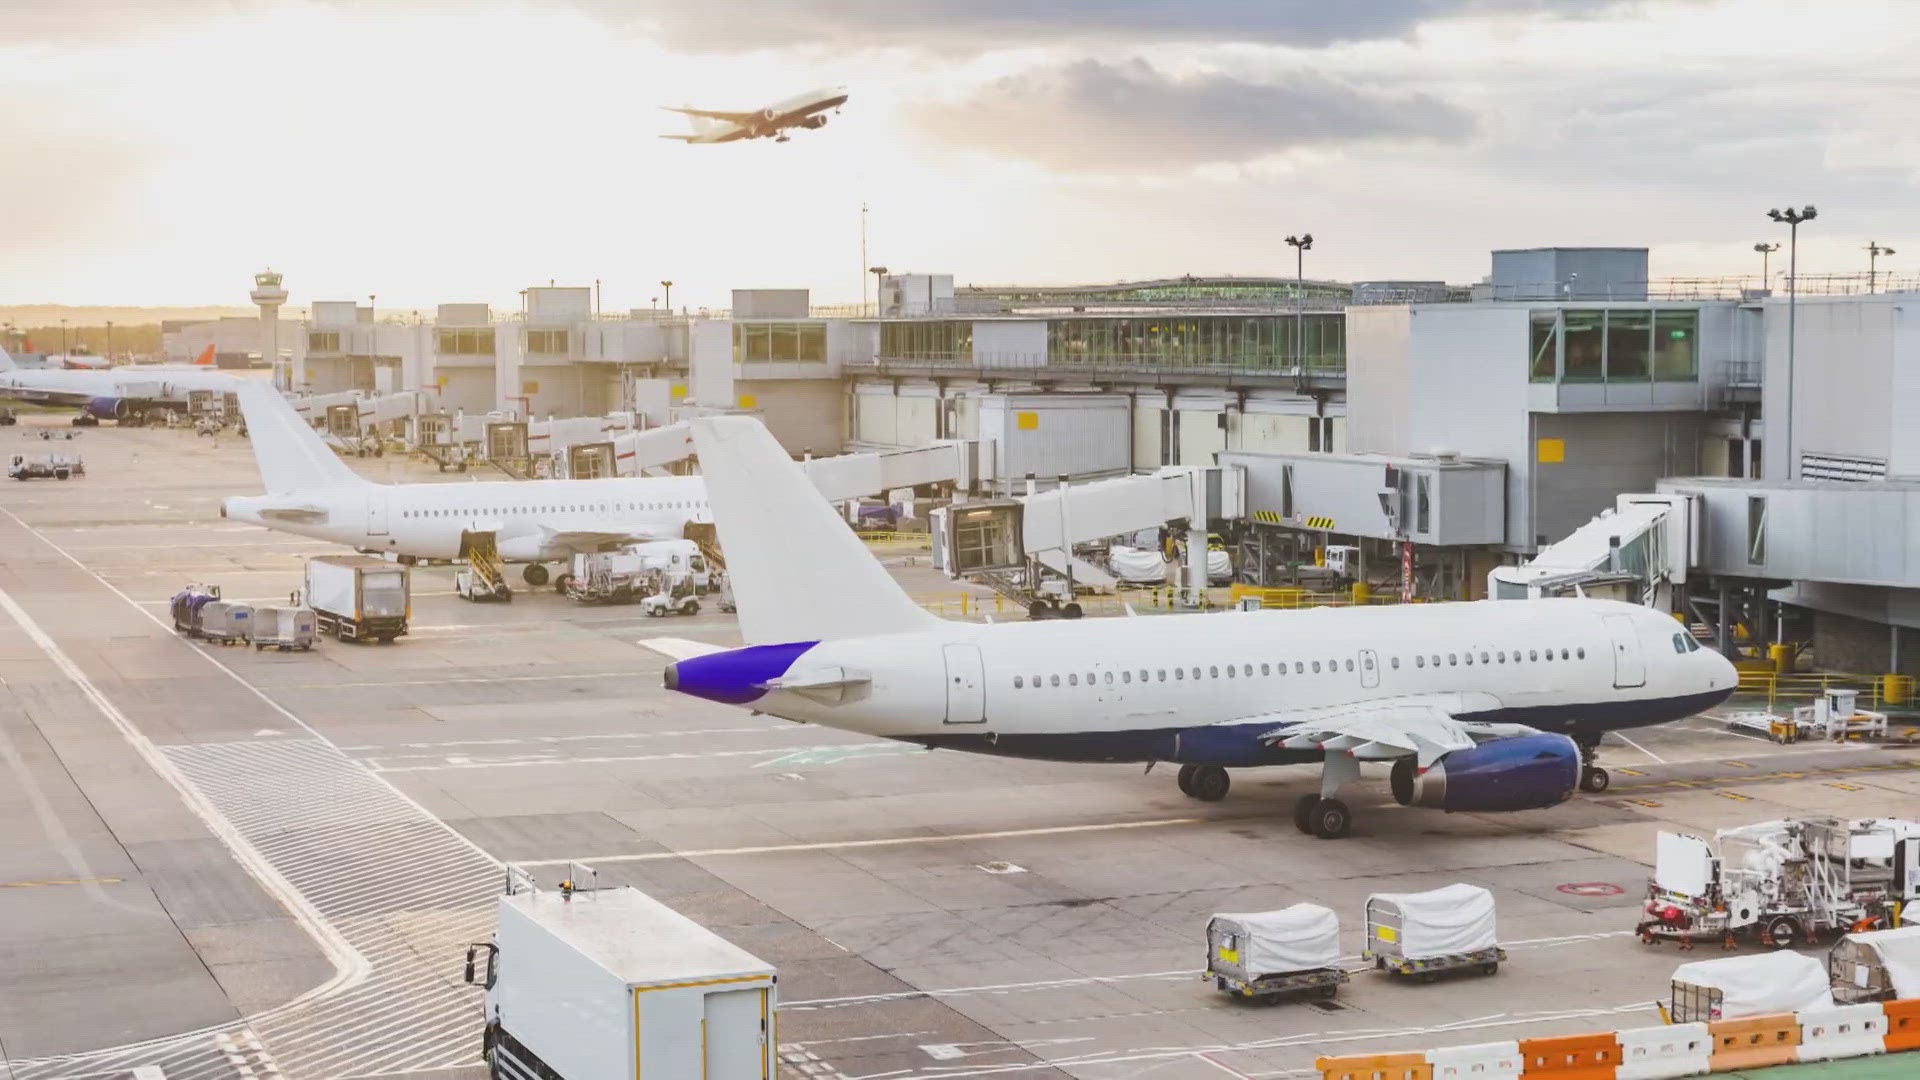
<point>1453,429</point>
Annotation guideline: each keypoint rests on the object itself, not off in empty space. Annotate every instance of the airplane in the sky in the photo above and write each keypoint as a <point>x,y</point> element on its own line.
<point>772,122</point>
<point>311,492</point>
<point>120,393</point>
<point>1487,706</point>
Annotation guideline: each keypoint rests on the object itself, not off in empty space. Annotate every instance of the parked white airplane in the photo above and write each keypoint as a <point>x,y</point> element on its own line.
<point>311,492</point>
<point>115,393</point>
<point>802,111</point>
<point>1488,706</point>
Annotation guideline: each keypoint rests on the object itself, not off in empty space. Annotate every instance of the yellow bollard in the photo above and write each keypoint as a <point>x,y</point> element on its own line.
<point>1361,592</point>
<point>1781,657</point>
<point>963,605</point>
<point>1896,689</point>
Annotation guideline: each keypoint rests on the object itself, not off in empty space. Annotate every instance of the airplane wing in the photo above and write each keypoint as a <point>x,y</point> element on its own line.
<point>1421,726</point>
<point>590,540</point>
<point>712,114</point>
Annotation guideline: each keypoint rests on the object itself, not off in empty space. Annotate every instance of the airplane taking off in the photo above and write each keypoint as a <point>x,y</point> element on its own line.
<point>1486,706</point>
<point>311,492</point>
<point>119,393</point>
<point>772,122</point>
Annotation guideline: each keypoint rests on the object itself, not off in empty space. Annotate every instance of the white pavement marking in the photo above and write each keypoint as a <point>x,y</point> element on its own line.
<point>380,883</point>
<point>891,841</point>
<point>374,763</point>
<point>543,740</point>
<point>1640,748</point>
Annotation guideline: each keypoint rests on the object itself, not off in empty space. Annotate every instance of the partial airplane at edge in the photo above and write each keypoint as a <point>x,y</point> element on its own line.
<point>119,392</point>
<point>1486,706</point>
<point>311,492</point>
<point>772,122</point>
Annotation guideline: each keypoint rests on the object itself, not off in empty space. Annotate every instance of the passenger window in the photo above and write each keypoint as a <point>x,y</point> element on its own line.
<point>1531,655</point>
<point>1213,672</point>
<point>1500,657</point>
<point>1055,679</point>
<point>1126,676</point>
<point>1367,662</point>
<point>1396,663</point>
<point>1163,674</point>
<point>1453,660</point>
<point>1419,661</point>
<point>1247,670</point>
<point>1483,657</point>
<point>1316,667</point>
<point>1180,673</point>
<point>1229,671</point>
<point>1090,679</point>
<point>1266,669</point>
<point>1580,652</point>
<point>1436,659</point>
<point>1299,667</point>
<point>1109,678</point>
<point>1073,680</point>
<point>1469,657</point>
<point>1143,674</point>
<point>1564,655</point>
<point>1349,665</point>
<point>1016,682</point>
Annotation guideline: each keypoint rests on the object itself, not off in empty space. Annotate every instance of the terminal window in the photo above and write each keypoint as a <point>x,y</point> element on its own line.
<point>323,341</point>
<point>1613,345</point>
<point>466,342</point>
<point>547,342</point>
<point>779,342</point>
<point>933,339</point>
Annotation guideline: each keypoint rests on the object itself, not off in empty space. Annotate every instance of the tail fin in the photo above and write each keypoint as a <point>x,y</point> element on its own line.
<point>205,359</point>
<point>6,360</point>
<point>798,572</point>
<point>290,454</point>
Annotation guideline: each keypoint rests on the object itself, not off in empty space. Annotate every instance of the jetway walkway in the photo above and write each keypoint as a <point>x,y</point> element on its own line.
<point>1638,551</point>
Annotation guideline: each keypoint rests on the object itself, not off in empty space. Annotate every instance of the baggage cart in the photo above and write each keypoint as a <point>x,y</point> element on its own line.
<point>1758,985</point>
<point>186,604</point>
<point>1425,934</point>
<point>285,628</point>
<point>604,983</point>
<point>226,621</point>
<point>1272,955</point>
<point>1878,965</point>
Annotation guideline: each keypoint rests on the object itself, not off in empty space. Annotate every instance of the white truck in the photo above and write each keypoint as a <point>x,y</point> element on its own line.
<point>45,466</point>
<point>356,598</point>
<point>1782,883</point>
<point>622,577</point>
<point>604,983</point>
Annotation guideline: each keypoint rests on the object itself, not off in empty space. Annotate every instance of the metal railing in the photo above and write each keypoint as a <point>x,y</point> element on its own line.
<point>1096,365</point>
<point>1878,692</point>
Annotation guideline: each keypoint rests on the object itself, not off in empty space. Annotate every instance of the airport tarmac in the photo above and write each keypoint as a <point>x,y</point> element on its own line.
<point>218,862</point>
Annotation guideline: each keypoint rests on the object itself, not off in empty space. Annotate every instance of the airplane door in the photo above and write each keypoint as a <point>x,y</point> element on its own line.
<point>1369,668</point>
<point>377,514</point>
<point>1906,871</point>
<point>966,685</point>
<point>1629,669</point>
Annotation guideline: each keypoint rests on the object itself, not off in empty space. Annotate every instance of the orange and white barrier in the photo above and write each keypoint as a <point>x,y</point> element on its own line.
<point>1657,1053</point>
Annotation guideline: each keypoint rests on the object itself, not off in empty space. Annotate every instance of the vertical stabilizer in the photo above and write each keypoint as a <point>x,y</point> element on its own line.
<point>6,360</point>
<point>290,454</point>
<point>798,572</point>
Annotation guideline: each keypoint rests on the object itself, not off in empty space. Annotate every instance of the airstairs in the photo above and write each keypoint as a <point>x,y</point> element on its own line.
<point>482,553</point>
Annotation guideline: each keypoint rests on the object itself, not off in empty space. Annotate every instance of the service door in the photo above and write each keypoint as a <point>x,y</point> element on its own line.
<point>733,1035</point>
<point>1369,668</point>
<point>377,514</point>
<point>966,685</point>
<point>1629,669</point>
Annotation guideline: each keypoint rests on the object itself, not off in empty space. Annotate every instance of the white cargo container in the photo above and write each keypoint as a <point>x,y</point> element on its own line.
<point>354,597</point>
<point>613,983</point>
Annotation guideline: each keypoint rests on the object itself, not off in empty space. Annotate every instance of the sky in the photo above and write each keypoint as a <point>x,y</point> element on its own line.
<point>423,151</point>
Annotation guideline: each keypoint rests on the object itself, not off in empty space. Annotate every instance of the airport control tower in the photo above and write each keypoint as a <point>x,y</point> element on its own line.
<point>268,294</point>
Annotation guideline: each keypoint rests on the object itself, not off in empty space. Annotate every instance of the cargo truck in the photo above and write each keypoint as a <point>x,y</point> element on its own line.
<point>604,983</point>
<point>356,598</point>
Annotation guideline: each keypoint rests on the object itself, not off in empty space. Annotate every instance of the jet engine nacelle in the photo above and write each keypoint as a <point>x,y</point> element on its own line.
<point>108,408</point>
<point>769,115</point>
<point>1527,772</point>
<point>814,122</point>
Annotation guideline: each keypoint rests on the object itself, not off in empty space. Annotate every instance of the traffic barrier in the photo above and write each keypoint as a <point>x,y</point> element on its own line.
<point>1753,1042</point>
<point>1903,1024</point>
<point>1374,1067</point>
<point>1573,1057</point>
<point>1842,1031</point>
<point>1481,1061</point>
<point>1664,1052</point>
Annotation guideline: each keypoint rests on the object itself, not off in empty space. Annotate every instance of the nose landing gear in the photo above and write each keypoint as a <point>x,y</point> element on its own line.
<point>1593,778</point>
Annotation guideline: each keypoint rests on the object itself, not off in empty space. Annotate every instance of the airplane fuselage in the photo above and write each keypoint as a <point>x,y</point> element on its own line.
<point>426,521</point>
<point>1212,689</point>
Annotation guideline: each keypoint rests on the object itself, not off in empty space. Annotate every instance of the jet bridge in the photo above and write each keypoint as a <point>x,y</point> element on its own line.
<point>1639,551</point>
<point>990,540</point>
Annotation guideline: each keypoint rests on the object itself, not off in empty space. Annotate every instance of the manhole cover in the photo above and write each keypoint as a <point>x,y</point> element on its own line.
<point>1592,888</point>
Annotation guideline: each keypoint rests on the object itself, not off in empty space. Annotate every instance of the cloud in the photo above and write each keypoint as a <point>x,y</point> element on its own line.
<point>1090,116</point>
<point>731,25</point>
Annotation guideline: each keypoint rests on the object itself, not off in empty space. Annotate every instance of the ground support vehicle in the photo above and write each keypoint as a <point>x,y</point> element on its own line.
<point>45,466</point>
<point>1877,965</point>
<point>1733,987</point>
<point>603,983</point>
<point>356,598</point>
<point>1270,956</point>
<point>1427,934</point>
<point>186,605</point>
<point>471,584</point>
<point>669,594</point>
<point>285,628</point>
<point>1781,883</point>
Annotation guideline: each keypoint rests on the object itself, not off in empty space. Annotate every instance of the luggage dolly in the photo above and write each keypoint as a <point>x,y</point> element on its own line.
<point>1431,968</point>
<point>1321,984</point>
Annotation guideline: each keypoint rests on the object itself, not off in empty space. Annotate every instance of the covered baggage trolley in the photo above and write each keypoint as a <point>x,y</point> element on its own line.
<point>1757,985</point>
<point>186,604</point>
<point>1425,933</point>
<point>226,621</point>
<point>1269,955</point>
<point>1878,965</point>
<point>285,628</point>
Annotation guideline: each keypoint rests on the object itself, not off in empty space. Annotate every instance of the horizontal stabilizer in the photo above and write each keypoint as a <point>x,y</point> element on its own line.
<point>674,648</point>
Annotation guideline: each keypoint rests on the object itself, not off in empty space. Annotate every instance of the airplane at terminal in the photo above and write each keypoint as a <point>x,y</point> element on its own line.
<point>1486,706</point>
<point>311,492</point>
<point>772,122</point>
<point>117,393</point>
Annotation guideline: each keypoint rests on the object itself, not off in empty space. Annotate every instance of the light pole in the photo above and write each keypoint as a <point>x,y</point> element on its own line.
<point>668,285</point>
<point>109,342</point>
<point>1792,218</point>
<point>1766,251</point>
<point>1300,244</point>
<point>64,352</point>
<point>1874,251</point>
<point>863,257</point>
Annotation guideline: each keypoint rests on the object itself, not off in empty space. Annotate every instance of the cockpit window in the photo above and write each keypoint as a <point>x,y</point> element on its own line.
<point>1680,643</point>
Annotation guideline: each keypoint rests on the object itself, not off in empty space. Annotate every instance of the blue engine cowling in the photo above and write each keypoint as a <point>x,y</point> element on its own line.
<point>1528,772</point>
<point>106,408</point>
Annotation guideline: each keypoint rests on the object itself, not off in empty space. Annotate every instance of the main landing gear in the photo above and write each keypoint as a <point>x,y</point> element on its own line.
<point>1593,778</point>
<point>1316,815</point>
<point>534,574</point>
<point>1208,783</point>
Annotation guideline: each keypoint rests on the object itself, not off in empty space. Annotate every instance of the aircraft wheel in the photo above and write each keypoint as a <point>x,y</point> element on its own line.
<point>1303,808</point>
<point>1331,819</point>
<point>1209,783</point>
<point>1038,609</point>
<point>534,574</point>
<point>560,583</point>
<point>1594,780</point>
<point>1071,611</point>
<point>1184,778</point>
